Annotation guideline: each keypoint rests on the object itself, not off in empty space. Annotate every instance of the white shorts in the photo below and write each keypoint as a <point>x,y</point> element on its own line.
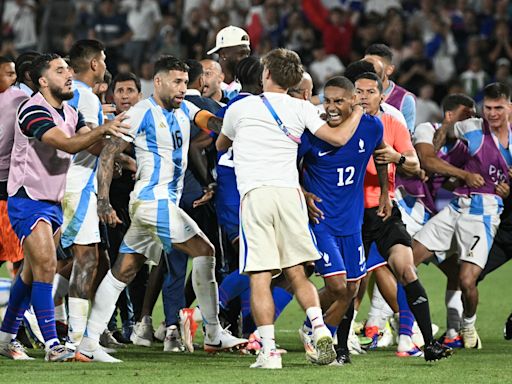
<point>81,222</point>
<point>474,234</point>
<point>274,230</point>
<point>155,226</point>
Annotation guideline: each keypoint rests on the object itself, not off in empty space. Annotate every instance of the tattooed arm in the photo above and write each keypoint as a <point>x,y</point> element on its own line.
<point>384,202</point>
<point>112,147</point>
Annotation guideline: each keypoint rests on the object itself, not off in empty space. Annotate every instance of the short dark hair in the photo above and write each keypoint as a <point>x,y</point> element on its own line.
<point>371,76</point>
<point>82,52</point>
<point>127,76</point>
<point>5,60</point>
<point>248,71</point>
<point>195,69</point>
<point>24,63</point>
<point>381,50</point>
<point>284,66</point>
<point>169,63</point>
<point>40,65</point>
<point>496,91</point>
<point>340,82</point>
<point>452,102</point>
<point>358,68</point>
<point>107,78</point>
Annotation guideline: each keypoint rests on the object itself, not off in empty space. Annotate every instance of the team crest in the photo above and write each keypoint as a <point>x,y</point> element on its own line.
<point>361,146</point>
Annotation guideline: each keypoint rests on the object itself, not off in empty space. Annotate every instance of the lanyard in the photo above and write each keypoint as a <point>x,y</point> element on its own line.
<point>278,120</point>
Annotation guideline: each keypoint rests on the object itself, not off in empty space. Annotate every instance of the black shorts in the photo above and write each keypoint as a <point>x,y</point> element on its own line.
<point>385,234</point>
<point>501,250</point>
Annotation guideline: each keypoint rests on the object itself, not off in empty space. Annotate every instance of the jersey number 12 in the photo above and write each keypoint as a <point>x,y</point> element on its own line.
<point>346,176</point>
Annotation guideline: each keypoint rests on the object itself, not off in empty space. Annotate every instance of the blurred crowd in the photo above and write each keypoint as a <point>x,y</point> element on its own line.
<point>439,47</point>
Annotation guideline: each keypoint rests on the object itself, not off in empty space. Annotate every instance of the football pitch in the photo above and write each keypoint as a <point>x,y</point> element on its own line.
<point>492,364</point>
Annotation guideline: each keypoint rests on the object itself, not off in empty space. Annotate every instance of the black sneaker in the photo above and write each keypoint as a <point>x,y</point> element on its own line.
<point>23,338</point>
<point>507,331</point>
<point>62,331</point>
<point>436,351</point>
<point>118,335</point>
<point>342,357</point>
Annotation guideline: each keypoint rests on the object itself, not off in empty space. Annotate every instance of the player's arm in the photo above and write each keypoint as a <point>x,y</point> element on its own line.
<point>445,133</point>
<point>208,122</point>
<point>340,135</point>
<point>385,207</point>
<point>407,160</point>
<point>198,162</point>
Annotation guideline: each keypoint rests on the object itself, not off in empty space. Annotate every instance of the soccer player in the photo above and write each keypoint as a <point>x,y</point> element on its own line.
<point>264,132</point>
<point>473,217</point>
<point>44,140</point>
<point>160,128</point>
<point>213,78</point>
<point>333,178</point>
<point>390,236</point>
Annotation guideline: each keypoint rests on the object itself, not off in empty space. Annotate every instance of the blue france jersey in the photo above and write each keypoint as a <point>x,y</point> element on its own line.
<point>336,175</point>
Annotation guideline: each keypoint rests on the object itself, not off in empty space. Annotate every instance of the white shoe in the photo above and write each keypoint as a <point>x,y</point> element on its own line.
<point>470,337</point>
<point>417,337</point>
<point>143,332</point>
<point>223,341</point>
<point>271,360</point>
<point>386,337</point>
<point>172,341</point>
<point>160,332</point>
<point>31,324</point>
<point>323,344</point>
<point>14,350</point>
<point>307,340</point>
<point>98,355</point>
<point>354,346</point>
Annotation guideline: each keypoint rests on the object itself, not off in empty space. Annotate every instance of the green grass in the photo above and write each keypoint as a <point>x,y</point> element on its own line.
<point>492,364</point>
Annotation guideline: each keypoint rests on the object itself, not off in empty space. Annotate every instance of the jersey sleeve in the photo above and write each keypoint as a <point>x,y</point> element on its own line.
<point>402,139</point>
<point>424,134</point>
<point>471,132</point>
<point>312,118</point>
<point>192,109</point>
<point>90,107</point>
<point>305,145</point>
<point>409,111</point>
<point>137,118</point>
<point>36,120</point>
<point>229,122</point>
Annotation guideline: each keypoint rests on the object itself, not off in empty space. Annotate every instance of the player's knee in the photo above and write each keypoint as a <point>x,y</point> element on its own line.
<point>45,271</point>
<point>336,286</point>
<point>406,274</point>
<point>466,282</point>
<point>352,289</point>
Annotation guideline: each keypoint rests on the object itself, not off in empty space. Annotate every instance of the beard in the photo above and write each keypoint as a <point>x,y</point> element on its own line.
<point>169,103</point>
<point>60,94</point>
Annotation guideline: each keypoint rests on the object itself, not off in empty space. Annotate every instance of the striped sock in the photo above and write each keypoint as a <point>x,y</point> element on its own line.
<point>44,310</point>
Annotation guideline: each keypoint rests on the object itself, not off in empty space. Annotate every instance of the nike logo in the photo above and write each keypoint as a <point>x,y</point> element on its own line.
<point>19,319</point>
<point>90,357</point>
<point>46,321</point>
<point>320,154</point>
<point>218,345</point>
<point>419,300</point>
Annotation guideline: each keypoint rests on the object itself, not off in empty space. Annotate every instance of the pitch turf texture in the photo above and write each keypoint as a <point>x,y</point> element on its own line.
<point>492,364</point>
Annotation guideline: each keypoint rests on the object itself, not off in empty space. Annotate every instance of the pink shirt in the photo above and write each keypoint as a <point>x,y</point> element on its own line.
<point>10,99</point>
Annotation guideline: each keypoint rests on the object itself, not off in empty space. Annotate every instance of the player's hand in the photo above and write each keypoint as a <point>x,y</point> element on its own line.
<point>474,180</point>
<point>116,127</point>
<point>315,214</point>
<point>107,214</point>
<point>422,175</point>
<point>385,207</point>
<point>510,172</point>
<point>503,190</point>
<point>386,155</point>
<point>208,195</point>
<point>108,108</point>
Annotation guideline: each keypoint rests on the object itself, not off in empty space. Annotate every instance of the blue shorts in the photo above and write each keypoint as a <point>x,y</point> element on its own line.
<point>229,219</point>
<point>340,255</point>
<point>374,260</point>
<point>25,213</point>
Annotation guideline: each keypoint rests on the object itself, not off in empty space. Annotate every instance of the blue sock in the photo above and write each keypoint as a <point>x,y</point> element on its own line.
<point>307,323</point>
<point>281,299</point>
<point>406,316</point>
<point>19,301</point>
<point>44,310</point>
<point>232,286</point>
<point>332,328</point>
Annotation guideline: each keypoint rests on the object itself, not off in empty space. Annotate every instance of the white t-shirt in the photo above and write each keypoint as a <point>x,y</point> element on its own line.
<point>263,154</point>
<point>141,18</point>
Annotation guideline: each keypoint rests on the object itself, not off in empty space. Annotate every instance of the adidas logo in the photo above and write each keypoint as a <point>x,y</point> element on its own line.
<point>420,300</point>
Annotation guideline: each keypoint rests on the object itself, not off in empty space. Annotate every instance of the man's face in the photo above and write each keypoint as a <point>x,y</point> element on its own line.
<point>460,113</point>
<point>7,76</point>
<point>231,56</point>
<point>382,69</point>
<point>368,94</point>
<point>59,80</point>
<point>171,87</point>
<point>100,67</point>
<point>213,77</point>
<point>126,95</point>
<point>496,111</point>
<point>337,104</point>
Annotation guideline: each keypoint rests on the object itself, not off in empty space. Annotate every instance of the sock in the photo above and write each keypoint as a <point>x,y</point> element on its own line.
<point>468,322</point>
<point>44,310</point>
<point>315,317</point>
<point>19,301</point>
<point>267,338</point>
<point>454,312</point>
<point>281,299</point>
<point>418,302</point>
<point>406,316</point>
<point>232,286</point>
<point>78,312</point>
<point>332,328</point>
<point>205,288</point>
<point>197,316</point>
<point>307,324</point>
<point>344,328</point>
<point>60,313</point>
<point>380,311</point>
<point>104,305</point>
<point>60,286</point>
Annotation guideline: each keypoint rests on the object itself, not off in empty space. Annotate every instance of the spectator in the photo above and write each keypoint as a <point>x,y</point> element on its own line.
<point>324,67</point>
<point>417,69</point>
<point>194,35</point>
<point>427,110</point>
<point>474,79</point>
<point>502,73</point>
<point>146,79</point>
<point>441,49</point>
<point>501,46</point>
<point>19,20</point>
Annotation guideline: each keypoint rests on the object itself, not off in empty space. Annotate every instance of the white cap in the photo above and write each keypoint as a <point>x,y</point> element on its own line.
<point>230,37</point>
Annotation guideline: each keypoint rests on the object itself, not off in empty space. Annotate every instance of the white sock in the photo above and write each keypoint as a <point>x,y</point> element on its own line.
<point>380,311</point>
<point>355,316</point>
<point>469,322</point>
<point>315,317</point>
<point>78,311</point>
<point>454,312</point>
<point>60,286</point>
<point>50,343</point>
<point>6,337</point>
<point>205,288</point>
<point>405,343</point>
<point>197,316</point>
<point>60,313</point>
<point>268,340</point>
<point>104,305</point>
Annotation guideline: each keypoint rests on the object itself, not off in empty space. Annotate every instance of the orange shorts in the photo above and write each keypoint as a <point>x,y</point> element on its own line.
<point>10,248</point>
